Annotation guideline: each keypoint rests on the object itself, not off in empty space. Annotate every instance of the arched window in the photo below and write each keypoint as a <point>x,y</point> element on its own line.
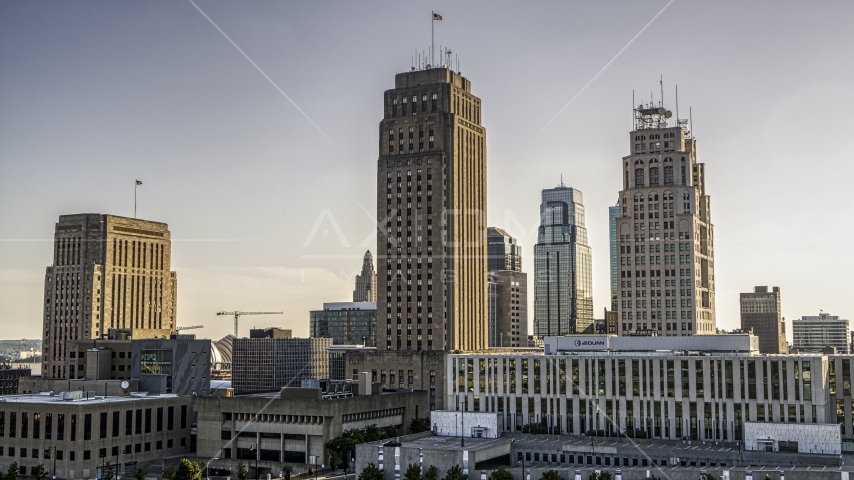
<point>653,176</point>
<point>668,175</point>
<point>638,177</point>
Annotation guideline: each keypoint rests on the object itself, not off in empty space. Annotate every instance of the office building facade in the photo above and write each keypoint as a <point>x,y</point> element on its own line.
<point>107,272</point>
<point>652,394</point>
<point>179,365</point>
<point>665,232</point>
<point>346,323</point>
<point>431,207</point>
<point>760,312</point>
<point>268,364</point>
<point>508,291</point>
<point>563,277</point>
<point>75,434</point>
<point>297,425</point>
<point>813,333</point>
<point>508,309</point>
<point>366,281</point>
<point>504,252</point>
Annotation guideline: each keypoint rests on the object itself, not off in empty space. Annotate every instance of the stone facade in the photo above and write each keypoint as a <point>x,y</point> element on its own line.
<point>431,211</point>
<point>665,232</point>
<point>108,272</point>
<point>424,370</point>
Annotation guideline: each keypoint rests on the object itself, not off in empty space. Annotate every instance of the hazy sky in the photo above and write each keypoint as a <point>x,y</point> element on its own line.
<point>94,95</point>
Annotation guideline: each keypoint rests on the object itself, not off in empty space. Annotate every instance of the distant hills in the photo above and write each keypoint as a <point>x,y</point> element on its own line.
<point>13,348</point>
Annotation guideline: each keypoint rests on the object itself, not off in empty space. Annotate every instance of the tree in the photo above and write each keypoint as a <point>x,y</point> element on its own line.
<point>140,472</point>
<point>169,472</point>
<point>454,473</point>
<point>371,472</point>
<point>287,475</point>
<point>39,473</point>
<point>242,471</point>
<point>188,470</point>
<point>550,475</point>
<point>603,475</point>
<point>501,474</point>
<point>12,472</point>
<point>413,472</point>
<point>372,434</point>
<point>108,472</point>
<point>431,474</point>
<point>390,432</point>
<point>418,425</point>
<point>346,443</point>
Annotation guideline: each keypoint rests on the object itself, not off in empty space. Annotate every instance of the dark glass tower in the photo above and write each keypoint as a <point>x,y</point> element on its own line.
<point>563,282</point>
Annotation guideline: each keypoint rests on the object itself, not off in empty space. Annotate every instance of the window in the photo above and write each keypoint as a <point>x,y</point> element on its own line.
<point>129,422</point>
<point>116,417</point>
<point>639,177</point>
<point>653,176</point>
<point>147,420</point>
<point>73,435</point>
<point>103,425</point>
<point>170,418</point>
<point>183,417</point>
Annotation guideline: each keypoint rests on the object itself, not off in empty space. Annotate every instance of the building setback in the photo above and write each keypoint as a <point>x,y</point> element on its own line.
<point>760,312</point>
<point>665,232</point>
<point>815,333</point>
<point>563,276</point>
<point>268,364</point>
<point>346,323</point>
<point>107,272</point>
<point>79,434</point>
<point>366,282</point>
<point>431,209</point>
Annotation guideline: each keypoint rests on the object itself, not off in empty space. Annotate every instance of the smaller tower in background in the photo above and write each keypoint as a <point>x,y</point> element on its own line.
<point>366,282</point>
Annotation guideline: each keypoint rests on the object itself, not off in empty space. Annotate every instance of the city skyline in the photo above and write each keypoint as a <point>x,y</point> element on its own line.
<point>235,244</point>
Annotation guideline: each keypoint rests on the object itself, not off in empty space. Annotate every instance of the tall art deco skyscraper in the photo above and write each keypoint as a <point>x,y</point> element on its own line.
<point>108,272</point>
<point>431,208</point>
<point>366,282</point>
<point>563,276</point>
<point>665,232</point>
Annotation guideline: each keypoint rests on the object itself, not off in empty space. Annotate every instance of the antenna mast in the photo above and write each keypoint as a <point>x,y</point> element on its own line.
<point>661,83</point>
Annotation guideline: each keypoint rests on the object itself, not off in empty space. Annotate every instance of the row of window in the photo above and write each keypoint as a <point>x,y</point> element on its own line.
<point>404,102</point>
<point>47,453</point>
<point>136,421</point>
<point>756,379</point>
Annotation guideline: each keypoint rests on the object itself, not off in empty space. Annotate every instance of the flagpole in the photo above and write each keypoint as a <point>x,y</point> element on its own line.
<point>135,186</point>
<point>432,23</point>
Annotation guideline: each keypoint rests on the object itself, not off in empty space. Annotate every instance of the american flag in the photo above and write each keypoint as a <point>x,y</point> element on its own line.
<point>138,182</point>
<point>436,16</point>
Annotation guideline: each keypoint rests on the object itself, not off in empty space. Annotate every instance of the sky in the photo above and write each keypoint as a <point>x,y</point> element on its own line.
<point>254,129</point>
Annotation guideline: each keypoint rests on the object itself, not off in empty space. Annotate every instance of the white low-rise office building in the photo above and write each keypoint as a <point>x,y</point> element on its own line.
<point>653,387</point>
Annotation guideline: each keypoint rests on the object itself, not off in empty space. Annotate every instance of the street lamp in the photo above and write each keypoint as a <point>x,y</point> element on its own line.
<point>254,448</point>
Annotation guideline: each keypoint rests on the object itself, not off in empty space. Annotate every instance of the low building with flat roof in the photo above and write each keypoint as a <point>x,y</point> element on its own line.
<point>77,432</point>
<point>287,429</point>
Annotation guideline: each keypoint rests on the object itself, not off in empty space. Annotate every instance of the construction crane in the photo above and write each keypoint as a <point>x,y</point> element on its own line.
<point>238,314</point>
<point>192,327</point>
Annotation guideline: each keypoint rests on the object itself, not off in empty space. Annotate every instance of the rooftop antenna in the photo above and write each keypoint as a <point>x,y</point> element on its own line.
<point>691,120</point>
<point>561,180</point>
<point>634,117</point>
<point>677,104</point>
<point>661,83</point>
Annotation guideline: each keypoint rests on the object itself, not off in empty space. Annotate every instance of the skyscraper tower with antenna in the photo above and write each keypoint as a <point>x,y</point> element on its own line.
<point>431,209</point>
<point>664,231</point>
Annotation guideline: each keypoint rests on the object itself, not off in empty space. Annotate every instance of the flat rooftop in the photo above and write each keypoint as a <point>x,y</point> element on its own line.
<point>37,398</point>
<point>450,443</point>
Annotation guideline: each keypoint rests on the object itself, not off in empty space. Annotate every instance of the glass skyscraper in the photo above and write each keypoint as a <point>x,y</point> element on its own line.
<point>563,279</point>
<point>613,215</point>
